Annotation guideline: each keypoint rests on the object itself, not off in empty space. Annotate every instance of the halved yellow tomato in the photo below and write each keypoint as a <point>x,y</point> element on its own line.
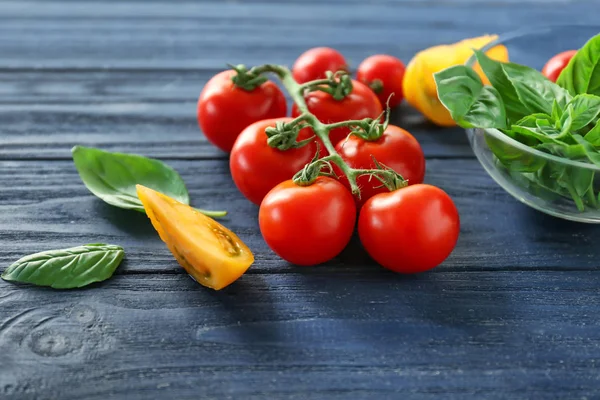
<point>212,254</point>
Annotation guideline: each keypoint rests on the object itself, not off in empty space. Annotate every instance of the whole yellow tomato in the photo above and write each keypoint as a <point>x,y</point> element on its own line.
<point>419,86</point>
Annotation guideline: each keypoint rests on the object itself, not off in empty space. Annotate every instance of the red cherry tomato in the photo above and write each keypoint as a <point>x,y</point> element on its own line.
<point>307,225</point>
<point>556,64</point>
<point>257,167</point>
<point>409,230</point>
<point>224,110</point>
<point>384,75</point>
<point>361,103</point>
<point>313,64</point>
<point>396,149</point>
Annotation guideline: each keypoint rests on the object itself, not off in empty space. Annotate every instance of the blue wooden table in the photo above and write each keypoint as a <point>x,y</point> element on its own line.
<point>513,313</point>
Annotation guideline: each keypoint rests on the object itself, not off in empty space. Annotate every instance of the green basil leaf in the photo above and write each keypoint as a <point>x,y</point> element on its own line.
<point>557,111</point>
<point>578,182</point>
<point>69,268</point>
<point>585,109</point>
<point>551,175</point>
<point>470,103</point>
<point>535,91</point>
<point>527,138</point>
<point>497,77</point>
<point>566,181</point>
<point>531,120</point>
<point>532,184</point>
<point>565,124</point>
<point>593,136</point>
<point>582,74</point>
<point>572,152</point>
<point>542,135</point>
<point>582,180</point>
<point>544,123</point>
<point>591,153</point>
<point>512,158</point>
<point>113,176</point>
<point>546,127</point>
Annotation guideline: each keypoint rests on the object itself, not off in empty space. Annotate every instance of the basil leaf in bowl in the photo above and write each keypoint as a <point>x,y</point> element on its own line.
<point>471,104</point>
<point>549,142</point>
<point>582,74</point>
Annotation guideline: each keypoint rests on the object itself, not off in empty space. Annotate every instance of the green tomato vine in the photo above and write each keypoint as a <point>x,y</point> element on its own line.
<point>284,135</point>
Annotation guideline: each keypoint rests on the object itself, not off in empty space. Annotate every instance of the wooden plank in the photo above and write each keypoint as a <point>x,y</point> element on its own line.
<point>43,205</point>
<point>306,335</point>
<point>44,114</point>
<point>157,34</point>
<point>510,314</point>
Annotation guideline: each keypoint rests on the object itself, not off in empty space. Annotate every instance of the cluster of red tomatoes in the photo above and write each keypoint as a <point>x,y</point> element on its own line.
<point>408,230</point>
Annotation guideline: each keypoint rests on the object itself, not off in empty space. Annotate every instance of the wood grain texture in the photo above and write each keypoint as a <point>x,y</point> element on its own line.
<point>44,205</point>
<point>191,34</point>
<point>44,114</point>
<point>456,335</point>
<point>511,314</point>
<point>126,76</point>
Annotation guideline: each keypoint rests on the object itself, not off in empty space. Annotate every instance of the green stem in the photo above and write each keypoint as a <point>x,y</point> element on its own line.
<point>298,119</point>
<point>357,122</point>
<point>212,214</point>
<point>312,84</point>
<point>296,92</point>
<point>350,173</point>
<point>279,70</point>
<point>320,129</point>
<point>591,197</point>
<point>576,197</point>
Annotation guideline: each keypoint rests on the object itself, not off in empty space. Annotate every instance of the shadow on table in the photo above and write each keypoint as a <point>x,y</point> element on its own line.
<point>434,139</point>
<point>563,243</point>
<point>361,289</point>
<point>354,304</point>
<point>530,217</point>
<point>249,307</point>
<point>131,222</point>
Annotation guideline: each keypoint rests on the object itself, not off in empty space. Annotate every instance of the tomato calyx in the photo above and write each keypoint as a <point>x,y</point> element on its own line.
<point>387,176</point>
<point>324,167</point>
<point>338,85</point>
<point>284,135</point>
<point>246,79</point>
<point>368,129</point>
<point>376,85</point>
<point>315,168</point>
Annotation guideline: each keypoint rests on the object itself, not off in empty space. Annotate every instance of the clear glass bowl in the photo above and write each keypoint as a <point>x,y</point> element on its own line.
<point>557,186</point>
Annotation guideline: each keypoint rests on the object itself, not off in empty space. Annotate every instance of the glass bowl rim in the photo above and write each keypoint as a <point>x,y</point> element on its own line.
<point>505,37</point>
<point>526,149</point>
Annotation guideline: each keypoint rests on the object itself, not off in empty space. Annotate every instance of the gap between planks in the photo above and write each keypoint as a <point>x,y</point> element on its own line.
<point>330,270</point>
<point>133,69</point>
<point>201,158</point>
